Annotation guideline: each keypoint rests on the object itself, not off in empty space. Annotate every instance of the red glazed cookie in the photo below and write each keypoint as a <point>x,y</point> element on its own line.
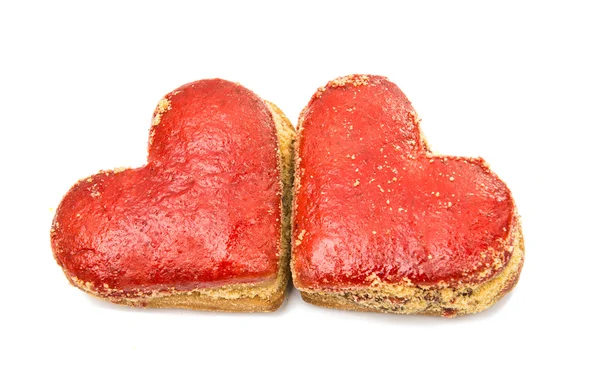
<point>383,224</point>
<point>204,225</point>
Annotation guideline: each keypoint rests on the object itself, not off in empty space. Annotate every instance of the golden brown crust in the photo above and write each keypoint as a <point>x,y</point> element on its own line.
<point>206,302</point>
<point>262,297</point>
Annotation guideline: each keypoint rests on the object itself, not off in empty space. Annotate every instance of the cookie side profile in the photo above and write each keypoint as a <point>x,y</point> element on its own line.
<point>204,225</point>
<point>383,224</point>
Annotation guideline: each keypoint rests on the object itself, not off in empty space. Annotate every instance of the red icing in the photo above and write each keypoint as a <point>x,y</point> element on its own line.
<point>374,204</point>
<point>204,211</point>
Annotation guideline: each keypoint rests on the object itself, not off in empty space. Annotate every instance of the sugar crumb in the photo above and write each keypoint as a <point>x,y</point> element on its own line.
<point>355,80</point>
<point>163,106</point>
<point>300,237</point>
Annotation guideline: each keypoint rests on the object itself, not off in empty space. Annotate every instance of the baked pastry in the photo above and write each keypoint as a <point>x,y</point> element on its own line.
<point>383,224</point>
<point>204,224</point>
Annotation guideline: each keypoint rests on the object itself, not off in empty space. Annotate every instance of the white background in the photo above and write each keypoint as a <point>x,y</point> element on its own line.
<point>517,83</point>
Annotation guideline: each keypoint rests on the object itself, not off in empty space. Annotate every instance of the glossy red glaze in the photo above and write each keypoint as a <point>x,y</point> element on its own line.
<point>204,211</point>
<point>374,204</point>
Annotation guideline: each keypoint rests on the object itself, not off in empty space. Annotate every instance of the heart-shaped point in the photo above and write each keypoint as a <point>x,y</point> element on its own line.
<point>381,223</point>
<point>203,224</point>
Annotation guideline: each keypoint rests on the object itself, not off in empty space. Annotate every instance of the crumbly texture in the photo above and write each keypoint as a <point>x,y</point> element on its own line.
<point>163,106</point>
<point>405,297</point>
<point>257,297</point>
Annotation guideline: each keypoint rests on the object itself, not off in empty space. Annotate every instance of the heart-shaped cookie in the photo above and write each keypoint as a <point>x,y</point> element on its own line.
<point>383,224</point>
<point>204,224</point>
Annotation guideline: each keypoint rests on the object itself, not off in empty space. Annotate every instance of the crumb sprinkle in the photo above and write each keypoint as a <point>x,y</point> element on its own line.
<point>300,237</point>
<point>354,80</point>
<point>163,106</point>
